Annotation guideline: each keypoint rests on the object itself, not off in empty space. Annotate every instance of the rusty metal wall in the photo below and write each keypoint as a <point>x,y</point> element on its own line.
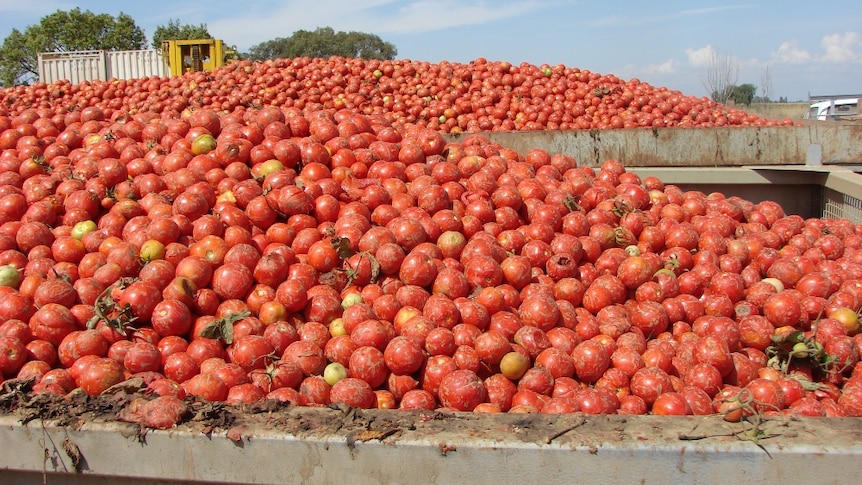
<point>831,143</point>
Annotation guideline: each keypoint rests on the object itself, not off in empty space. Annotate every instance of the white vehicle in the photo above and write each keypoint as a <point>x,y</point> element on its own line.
<point>833,109</point>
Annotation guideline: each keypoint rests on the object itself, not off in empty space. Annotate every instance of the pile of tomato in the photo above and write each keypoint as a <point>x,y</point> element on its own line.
<point>480,96</point>
<point>319,254</point>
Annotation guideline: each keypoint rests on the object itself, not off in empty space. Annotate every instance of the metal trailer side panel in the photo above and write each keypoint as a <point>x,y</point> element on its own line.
<point>136,64</point>
<point>75,66</point>
<point>815,143</point>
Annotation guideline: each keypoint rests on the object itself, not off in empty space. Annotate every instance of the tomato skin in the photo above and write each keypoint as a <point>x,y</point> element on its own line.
<point>783,309</point>
<point>403,355</point>
<point>15,306</point>
<point>206,386</point>
<point>591,360</point>
<point>99,374</point>
<point>79,343</point>
<point>671,404</point>
<point>418,269</point>
<point>368,363</point>
<point>171,318</point>
<point>649,383</point>
<point>53,322</point>
<point>13,356</point>
<point>251,352</point>
<point>767,394</point>
<point>462,390</point>
<point>142,297</point>
<point>353,392</point>
<point>142,357</point>
<point>232,281</point>
<point>307,356</point>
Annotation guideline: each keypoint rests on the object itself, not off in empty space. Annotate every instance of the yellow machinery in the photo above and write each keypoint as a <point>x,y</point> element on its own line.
<point>196,55</point>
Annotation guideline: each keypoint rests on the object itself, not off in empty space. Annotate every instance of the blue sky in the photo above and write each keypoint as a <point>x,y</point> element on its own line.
<point>793,48</point>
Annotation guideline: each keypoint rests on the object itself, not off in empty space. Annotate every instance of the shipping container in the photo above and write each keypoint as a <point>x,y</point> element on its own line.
<point>78,66</point>
<point>136,64</point>
<point>74,66</point>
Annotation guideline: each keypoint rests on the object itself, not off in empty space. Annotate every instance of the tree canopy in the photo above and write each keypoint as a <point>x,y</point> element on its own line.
<point>739,94</point>
<point>175,31</point>
<point>62,32</point>
<point>743,94</point>
<point>324,42</point>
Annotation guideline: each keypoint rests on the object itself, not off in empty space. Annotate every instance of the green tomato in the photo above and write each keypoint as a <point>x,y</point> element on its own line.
<point>334,372</point>
<point>203,144</point>
<point>800,350</point>
<point>151,250</point>
<point>80,229</point>
<point>336,327</point>
<point>265,168</point>
<point>351,299</point>
<point>10,276</point>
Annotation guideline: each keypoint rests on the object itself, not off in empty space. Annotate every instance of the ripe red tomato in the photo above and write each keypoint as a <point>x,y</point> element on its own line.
<point>649,383</point>
<point>354,393</point>
<point>462,390</point>
<point>591,360</point>
<point>206,386</point>
<point>671,404</point>
<point>142,297</point>
<point>232,281</point>
<point>53,322</point>
<point>98,374</point>
<point>403,355</point>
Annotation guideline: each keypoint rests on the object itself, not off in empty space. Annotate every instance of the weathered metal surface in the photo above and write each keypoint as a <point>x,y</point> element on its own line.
<point>81,66</point>
<point>75,66</point>
<point>137,64</point>
<point>841,143</point>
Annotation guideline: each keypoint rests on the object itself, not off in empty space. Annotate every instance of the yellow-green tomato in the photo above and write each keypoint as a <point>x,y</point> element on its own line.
<point>152,250</point>
<point>80,229</point>
<point>334,372</point>
<point>10,276</point>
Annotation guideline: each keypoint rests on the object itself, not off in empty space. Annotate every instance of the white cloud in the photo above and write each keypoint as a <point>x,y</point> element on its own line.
<point>651,71</point>
<point>790,53</point>
<point>842,48</point>
<point>701,57</point>
<point>630,20</point>
<point>667,67</point>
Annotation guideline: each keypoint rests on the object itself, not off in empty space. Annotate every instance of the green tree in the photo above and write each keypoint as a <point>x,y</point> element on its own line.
<point>15,65</point>
<point>324,42</point>
<point>63,32</point>
<point>743,94</point>
<point>175,31</point>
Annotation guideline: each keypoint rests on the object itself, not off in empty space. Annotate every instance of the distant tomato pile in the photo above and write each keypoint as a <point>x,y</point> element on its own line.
<point>294,235</point>
<point>448,97</point>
